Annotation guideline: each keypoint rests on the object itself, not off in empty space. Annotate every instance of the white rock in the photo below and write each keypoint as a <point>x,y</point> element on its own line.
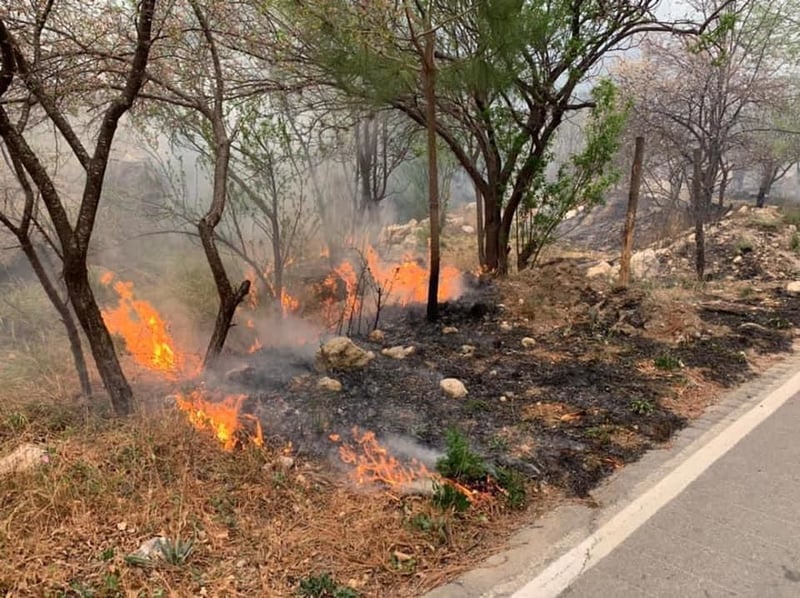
<point>737,259</point>
<point>285,462</point>
<point>793,287</point>
<point>449,330</point>
<point>326,383</point>
<point>399,352</point>
<point>505,326</point>
<point>644,264</point>
<point>467,229</point>
<point>467,350</point>
<point>377,336</point>
<point>342,354</point>
<point>599,270</point>
<point>453,387</point>
<point>528,342</point>
<point>24,457</point>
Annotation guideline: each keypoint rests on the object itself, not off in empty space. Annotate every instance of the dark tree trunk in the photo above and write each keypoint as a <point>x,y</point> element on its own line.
<point>86,309</point>
<point>64,313</point>
<point>699,201</point>
<point>630,216</point>
<point>429,83</point>
<point>765,184</point>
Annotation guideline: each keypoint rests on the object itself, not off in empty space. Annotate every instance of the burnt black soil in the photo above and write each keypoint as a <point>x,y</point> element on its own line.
<point>568,411</point>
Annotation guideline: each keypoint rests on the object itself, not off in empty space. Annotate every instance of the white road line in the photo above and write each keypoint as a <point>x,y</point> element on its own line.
<point>558,576</point>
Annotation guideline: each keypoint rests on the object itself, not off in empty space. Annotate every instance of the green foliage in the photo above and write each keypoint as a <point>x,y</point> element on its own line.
<point>446,496</point>
<point>460,463</point>
<point>583,180</point>
<point>324,586</point>
<point>513,482</point>
<point>667,361</point>
<point>794,242</point>
<point>642,406</point>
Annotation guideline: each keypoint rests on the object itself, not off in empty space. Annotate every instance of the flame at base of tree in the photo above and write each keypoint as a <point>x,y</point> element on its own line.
<point>144,331</point>
<point>222,417</point>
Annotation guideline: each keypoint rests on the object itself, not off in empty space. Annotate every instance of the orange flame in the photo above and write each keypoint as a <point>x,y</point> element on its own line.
<point>374,463</point>
<point>222,417</point>
<point>144,331</point>
<point>400,283</point>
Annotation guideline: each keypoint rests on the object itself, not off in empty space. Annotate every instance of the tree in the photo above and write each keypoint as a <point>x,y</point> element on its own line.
<point>508,75</point>
<point>705,94</point>
<point>202,92</point>
<point>42,84</point>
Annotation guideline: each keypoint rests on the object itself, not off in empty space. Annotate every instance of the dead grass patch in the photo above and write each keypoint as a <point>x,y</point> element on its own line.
<point>258,529</point>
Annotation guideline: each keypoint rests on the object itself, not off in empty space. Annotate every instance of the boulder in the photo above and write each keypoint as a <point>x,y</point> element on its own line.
<point>528,342</point>
<point>341,353</point>
<point>453,387</point>
<point>398,352</point>
<point>326,383</point>
<point>793,288</point>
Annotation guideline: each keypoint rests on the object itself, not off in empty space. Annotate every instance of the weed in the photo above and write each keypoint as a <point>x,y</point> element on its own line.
<point>791,215</point>
<point>459,462</point>
<point>642,406</point>
<point>107,554</point>
<point>422,522</point>
<point>499,444</point>
<point>323,586</point>
<point>667,361</point>
<point>514,485</point>
<point>224,509</point>
<point>445,495</point>
<point>794,242</point>
<point>599,433</point>
<point>779,323</point>
<point>475,406</point>
<point>17,421</point>
<point>744,246</point>
<point>746,291</point>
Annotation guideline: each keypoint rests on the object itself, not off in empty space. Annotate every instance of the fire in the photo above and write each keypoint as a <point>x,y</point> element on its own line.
<point>399,283</point>
<point>144,331</point>
<point>222,417</point>
<point>373,463</point>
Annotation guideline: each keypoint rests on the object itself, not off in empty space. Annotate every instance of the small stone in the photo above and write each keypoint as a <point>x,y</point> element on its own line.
<point>122,526</point>
<point>737,259</point>
<point>793,288</point>
<point>467,350</point>
<point>528,342</point>
<point>453,387</point>
<point>25,457</point>
<point>326,383</point>
<point>506,327</point>
<point>503,398</point>
<point>377,336</point>
<point>449,330</point>
<point>399,352</point>
<point>467,229</point>
<point>285,462</point>
<point>341,353</point>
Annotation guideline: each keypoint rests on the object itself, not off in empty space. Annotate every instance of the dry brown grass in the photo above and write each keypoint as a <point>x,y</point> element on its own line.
<point>258,529</point>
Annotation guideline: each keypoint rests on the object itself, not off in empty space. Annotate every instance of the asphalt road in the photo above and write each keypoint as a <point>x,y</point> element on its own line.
<point>734,531</point>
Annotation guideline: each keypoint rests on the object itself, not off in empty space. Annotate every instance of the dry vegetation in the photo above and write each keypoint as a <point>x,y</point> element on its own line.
<point>261,523</point>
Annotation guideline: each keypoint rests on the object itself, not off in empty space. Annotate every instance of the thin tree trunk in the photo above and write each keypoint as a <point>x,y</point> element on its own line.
<point>479,226</point>
<point>64,313</point>
<point>429,82</point>
<point>698,197</point>
<point>630,216</point>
